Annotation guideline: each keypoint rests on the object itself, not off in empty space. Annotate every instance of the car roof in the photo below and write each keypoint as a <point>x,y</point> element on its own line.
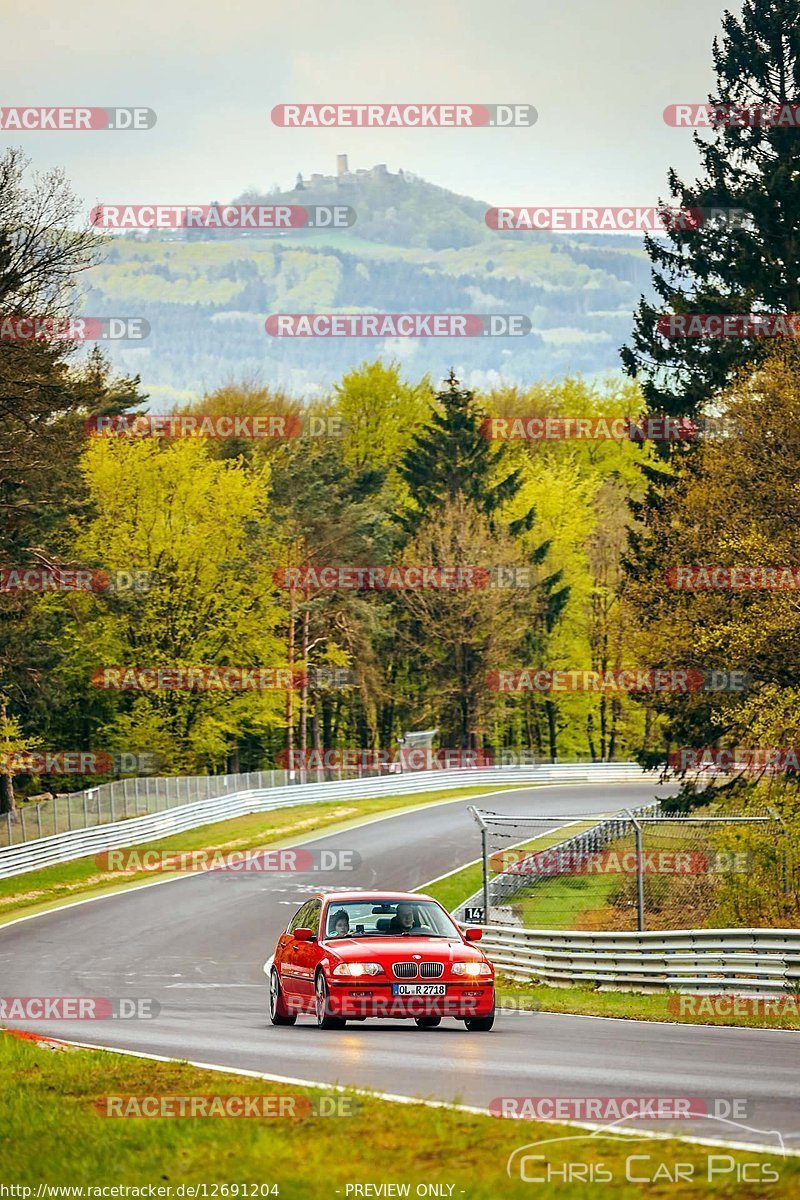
<point>367,897</point>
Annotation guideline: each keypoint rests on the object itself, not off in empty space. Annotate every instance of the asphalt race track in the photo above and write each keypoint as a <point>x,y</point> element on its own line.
<point>197,945</point>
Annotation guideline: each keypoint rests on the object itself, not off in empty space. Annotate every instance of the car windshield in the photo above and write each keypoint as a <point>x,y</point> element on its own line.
<point>388,918</point>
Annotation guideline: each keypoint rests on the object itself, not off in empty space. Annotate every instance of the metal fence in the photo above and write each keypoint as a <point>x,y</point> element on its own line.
<point>693,960</point>
<point>17,858</point>
<point>497,889</point>
<point>123,799</point>
<point>667,869</point>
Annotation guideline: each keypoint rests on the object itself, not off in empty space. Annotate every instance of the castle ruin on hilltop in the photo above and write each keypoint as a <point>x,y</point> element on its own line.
<point>344,177</point>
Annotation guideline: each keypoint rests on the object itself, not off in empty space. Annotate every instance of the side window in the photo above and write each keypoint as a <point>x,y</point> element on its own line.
<point>313,915</point>
<point>298,920</point>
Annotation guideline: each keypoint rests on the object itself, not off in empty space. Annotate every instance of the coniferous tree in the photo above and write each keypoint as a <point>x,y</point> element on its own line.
<point>730,266</point>
<point>450,459</point>
<point>451,467</point>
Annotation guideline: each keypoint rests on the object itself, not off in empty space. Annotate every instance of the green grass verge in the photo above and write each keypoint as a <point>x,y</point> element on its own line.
<point>557,903</point>
<point>52,1133</point>
<point>637,1006</point>
<point>47,888</point>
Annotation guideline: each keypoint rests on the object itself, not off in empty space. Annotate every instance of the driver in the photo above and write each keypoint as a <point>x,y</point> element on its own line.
<point>340,924</point>
<point>403,919</point>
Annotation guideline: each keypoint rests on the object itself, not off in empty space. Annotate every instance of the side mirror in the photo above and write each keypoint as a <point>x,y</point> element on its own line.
<point>303,935</point>
<point>472,935</point>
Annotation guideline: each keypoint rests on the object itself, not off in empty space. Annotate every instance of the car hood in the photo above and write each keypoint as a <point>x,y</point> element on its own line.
<point>402,948</point>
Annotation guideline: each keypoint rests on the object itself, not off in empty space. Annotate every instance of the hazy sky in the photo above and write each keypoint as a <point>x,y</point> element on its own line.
<point>600,75</point>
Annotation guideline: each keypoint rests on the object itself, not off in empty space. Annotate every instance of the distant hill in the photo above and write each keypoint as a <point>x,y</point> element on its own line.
<point>414,247</point>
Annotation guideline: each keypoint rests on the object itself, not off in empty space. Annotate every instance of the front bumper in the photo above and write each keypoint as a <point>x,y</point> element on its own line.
<point>461,1000</point>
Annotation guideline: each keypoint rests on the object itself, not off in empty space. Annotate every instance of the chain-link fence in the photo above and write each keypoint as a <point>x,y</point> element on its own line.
<point>637,870</point>
<point>122,799</point>
<point>140,796</point>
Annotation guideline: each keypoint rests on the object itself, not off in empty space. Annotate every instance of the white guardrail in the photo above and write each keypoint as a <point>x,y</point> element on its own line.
<point>78,843</point>
<point>705,961</point>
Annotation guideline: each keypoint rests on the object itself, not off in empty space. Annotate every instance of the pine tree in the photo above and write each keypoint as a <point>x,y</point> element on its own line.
<point>452,467</point>
<point>724,266</point>
<point>450,459</point>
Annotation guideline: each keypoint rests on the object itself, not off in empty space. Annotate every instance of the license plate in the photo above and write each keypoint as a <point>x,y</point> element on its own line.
<point>419,989</point>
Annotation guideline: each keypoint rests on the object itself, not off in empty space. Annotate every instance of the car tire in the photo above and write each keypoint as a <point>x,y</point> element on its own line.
<point>480,1024</point>
<point>427,1022</point>
<point>278,1012</point>
<point>325,1018</point>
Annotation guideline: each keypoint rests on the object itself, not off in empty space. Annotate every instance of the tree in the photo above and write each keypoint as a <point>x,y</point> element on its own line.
<point>200,524</point>
<point>723,266</point>
<point>450,458</point>
<point>579,489</point>
<point>350,526</point>
<point>41,255</point>
<point>457,637</point>
<point>454,471</point>
<point>737,506</point>
<point>12,742</point>
<point>380,414</point>
<point>44,249</point>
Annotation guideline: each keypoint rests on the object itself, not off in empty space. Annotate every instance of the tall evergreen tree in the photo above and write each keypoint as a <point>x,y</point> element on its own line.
<point>450,459</point>
<point>451,467</point>
<point>726,266</point>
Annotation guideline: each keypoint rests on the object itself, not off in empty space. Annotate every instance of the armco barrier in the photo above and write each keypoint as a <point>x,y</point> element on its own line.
<point>63,847</point>
<point>707,961</point>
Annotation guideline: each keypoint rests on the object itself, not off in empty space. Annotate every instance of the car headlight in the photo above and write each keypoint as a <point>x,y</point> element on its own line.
<point>471,968</point>
<point>358,968</point>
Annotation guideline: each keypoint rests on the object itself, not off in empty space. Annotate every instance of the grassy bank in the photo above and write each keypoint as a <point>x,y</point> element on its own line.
<point>53,1132</point>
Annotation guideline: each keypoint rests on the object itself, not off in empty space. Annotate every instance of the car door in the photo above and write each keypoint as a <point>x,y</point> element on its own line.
<point>306,955</point>
<point>288,948</point>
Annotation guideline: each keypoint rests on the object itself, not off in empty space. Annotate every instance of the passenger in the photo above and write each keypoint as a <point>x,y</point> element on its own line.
<point>341,924</point>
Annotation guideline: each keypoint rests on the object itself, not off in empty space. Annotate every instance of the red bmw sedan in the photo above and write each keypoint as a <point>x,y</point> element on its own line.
<point>352,955</point>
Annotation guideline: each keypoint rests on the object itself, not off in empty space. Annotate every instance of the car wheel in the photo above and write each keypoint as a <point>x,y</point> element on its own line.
<point>278,1012</point>
<point>428,1022</point>
<point>325,1018</point>
<point>480,1024</point>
